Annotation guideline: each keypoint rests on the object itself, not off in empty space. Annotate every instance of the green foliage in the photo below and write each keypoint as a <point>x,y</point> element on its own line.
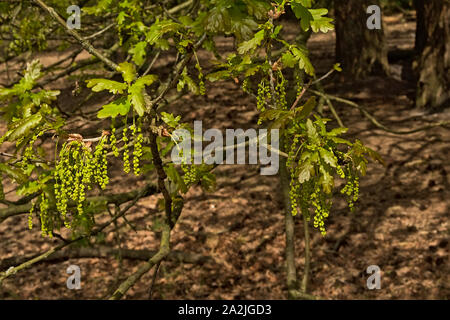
<point>138,138</point>
<point>317,156</point>
<point>135,88</point>
<point>76,171</point>
<point>314,156</point>
<point>315,160</point>
<point>120,106</point>
<point>170,119</point>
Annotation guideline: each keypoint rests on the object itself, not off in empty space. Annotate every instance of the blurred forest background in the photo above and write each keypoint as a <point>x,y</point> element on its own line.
<point>229,244</point>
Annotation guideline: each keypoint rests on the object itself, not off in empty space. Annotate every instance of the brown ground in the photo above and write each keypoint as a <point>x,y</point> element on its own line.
<point>401,221</point>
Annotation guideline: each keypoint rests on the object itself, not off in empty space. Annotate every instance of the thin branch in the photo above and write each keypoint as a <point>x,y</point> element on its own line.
<point>330,105</point>
<point>326,75</point>
<point>95,35</point>
<point>374,121</point>
<point>152,63</point>
<point>45,255</point>
<point>163,252</point>
<point>155,275</point>
<point>291,272</point>
<point>306,271</point>
<point>298,295</point>
<point>179,69</point>
<point>19,158</point>
<point>84,43</point>
<point>106,252</point>
<point>301,95</point>
<point>118,198</point>
<point>180,7</point>
<point>161,178</point>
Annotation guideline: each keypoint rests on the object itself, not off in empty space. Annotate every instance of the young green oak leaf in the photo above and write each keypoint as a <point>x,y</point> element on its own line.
<point>326,180</point>
<point>305,171</point>
<point>321,23</point>
<point>159,28</point>
<point>337,132</point>
<point>120,106</point>
<point>328,157</point>
<point>24,126</point>
<point>112,86</point>
<point>307,108</point>
<point>251,44</point>
<point>288,60</point>
<point>302,13</point>
<point>145,81</point>
<point>187,80</point>
<point>257,8</point>
<point>337,67</point>
<point>298,54</point>
<point>301,54</point>
<point>311,132</point>
<point>32,73</point>
<point>170,120</point>
<point>136,95</point>
<point>138,53</point>
<point>305,3</point>
<point>14,173</point>
<point>128,71</point>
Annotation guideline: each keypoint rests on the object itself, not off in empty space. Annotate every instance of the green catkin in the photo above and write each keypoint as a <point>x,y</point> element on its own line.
<point>351,188</point>
<point>88,169</point>
<point>28,153</point>
<point>305,195</point>
<point>261,96</point>
<point>340,171</point>
<point>137,151</point>
<point>356,189</point>
<point>75,172</point>
<point>126,154</point>
<point>294,186</point>
<point>321,210</point>
<point>190,174</point>
<point>201,83</point>
<point>101,164</point>
<point>19,141</point>
<point>281,92</point>
<point>30,216</point>
<point>105,179</point>
<point>299,86</point>
<point>246,85</point>
<point>293,191</point>
<point>59,176</point>
<point>113,142</point>
<point>45,218</point>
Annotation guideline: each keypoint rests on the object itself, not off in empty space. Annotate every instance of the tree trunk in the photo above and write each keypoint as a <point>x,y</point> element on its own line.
<point>433,49</point>
<point>360,51</point>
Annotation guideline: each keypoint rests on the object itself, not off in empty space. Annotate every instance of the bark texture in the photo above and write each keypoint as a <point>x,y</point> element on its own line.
<point>433,49</point>
<point>360,51</point>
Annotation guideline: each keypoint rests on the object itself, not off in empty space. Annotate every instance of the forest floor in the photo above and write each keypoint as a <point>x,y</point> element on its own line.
<point>400,222</point>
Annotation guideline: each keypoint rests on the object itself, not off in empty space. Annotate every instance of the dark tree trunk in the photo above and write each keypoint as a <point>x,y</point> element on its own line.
<point>433,49</point>
<point>360,51</point>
